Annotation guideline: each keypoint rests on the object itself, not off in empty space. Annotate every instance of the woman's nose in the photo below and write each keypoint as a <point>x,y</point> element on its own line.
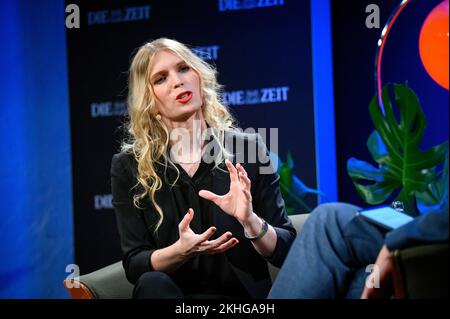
<point>177,81</point>
<point>178,84</point>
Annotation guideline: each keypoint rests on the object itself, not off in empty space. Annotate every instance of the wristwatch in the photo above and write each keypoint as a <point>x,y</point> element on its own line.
<point>263,231</point>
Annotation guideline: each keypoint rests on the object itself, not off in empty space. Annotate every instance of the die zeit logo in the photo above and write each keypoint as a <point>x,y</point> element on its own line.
<point>106,16</point>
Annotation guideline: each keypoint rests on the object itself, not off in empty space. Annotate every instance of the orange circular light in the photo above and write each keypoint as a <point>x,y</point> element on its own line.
<point>433,44</point>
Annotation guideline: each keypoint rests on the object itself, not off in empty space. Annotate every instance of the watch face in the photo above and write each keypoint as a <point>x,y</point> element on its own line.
<point>263,231</point>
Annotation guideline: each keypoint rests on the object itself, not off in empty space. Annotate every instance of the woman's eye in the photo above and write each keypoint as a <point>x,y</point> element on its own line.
<point>159,80</point>
<point>184,68</point>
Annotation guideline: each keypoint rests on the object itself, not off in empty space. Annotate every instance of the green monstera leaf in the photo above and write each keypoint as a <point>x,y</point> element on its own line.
<point>435,195</point>
<point>395,147</point>
<point>292,189</point>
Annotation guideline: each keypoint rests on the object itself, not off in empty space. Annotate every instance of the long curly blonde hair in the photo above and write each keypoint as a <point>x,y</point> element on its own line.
<point>148,138</point>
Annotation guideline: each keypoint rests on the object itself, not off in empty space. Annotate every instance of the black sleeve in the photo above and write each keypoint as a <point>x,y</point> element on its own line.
<point>269,204</point>
<point>137,244</point>
<point>429,228</point>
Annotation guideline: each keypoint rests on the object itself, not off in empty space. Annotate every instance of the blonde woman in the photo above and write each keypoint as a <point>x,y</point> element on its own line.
<point>193,221</point>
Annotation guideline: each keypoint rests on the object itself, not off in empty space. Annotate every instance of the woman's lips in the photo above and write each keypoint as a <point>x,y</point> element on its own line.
<point>185,97</point>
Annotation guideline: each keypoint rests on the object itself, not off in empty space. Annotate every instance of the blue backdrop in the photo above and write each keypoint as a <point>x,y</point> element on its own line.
<point>36,236</point>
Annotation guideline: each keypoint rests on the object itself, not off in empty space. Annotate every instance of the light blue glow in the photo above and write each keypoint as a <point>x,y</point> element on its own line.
<point>321,39</point>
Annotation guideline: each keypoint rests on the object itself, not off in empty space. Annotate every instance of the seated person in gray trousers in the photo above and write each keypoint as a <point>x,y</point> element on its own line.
<point>328,259</point>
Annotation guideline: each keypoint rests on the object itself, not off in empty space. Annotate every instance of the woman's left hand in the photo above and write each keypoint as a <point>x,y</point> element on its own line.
<point>238,201</point>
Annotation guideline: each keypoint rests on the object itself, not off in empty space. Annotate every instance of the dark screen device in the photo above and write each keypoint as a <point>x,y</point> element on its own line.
<point>385,217</point>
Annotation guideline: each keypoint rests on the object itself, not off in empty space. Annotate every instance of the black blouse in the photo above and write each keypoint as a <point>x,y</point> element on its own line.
<point>238,272</point>
<point>208,274</point>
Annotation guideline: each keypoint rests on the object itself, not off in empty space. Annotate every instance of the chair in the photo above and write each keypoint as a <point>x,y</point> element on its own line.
<point>106,283</point>
<point>110,282</point>
<point>421,272</point>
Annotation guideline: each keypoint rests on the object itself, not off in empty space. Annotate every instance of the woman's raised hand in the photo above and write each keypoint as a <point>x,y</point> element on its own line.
<point>238,201</point>
<point>191,243</point>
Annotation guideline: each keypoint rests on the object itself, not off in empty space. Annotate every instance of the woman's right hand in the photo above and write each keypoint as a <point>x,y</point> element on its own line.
<point>191,244</point>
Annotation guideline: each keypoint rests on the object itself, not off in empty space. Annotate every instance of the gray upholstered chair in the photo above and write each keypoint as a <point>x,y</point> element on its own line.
<point>421,272</point>
<point>110,282</point>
